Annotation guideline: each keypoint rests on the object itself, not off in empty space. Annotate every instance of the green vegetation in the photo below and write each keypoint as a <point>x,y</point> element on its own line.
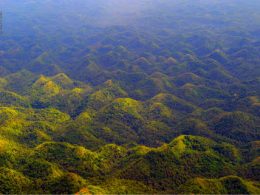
<point>147,97</point>
<point>224,185</point>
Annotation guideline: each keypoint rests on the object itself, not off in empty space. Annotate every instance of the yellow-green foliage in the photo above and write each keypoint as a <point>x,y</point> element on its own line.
<point>163,100</point>
<point>3,83</point>
<point>78,90</point>
<point>186,143</point>
<point>62,80</point>
<point>69,183</point>
<point>11,121</point>
<point>45,140</point>
<point>224,185</point>
<point>8,145</point>
<point>255,100</point>
<point>158,110</point>
<point>7,114</point>
<point>44,87</point>
<point>178,144</point>
<point>84,118</point>
<point>50,115</point>
<point>161,81</point>
<point>13,182</point>
<point>128,105</point>
<point>141,168</point>
<point>174,103</point>
<point>71,157</point>
<point>141,150</point>
<point>106,94</point>
<point>111,154</point>
<point>121,186</point>
<point>204,186</point>
<point>8,98</point>
<point>41,169</point>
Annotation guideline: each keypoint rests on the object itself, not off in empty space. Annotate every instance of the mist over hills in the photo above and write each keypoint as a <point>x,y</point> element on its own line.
<point>120,96</point>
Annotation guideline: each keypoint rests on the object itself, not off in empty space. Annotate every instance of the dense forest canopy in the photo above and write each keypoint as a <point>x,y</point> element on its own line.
<point>130,96</point>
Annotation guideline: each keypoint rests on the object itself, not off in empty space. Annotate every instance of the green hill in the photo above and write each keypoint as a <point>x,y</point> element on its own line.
<point>130,97</point>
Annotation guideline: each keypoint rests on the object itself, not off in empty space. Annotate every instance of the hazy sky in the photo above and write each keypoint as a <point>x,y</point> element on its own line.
<point>73,13</point>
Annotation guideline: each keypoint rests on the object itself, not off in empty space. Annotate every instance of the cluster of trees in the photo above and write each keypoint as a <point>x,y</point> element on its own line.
<point>168,102</point>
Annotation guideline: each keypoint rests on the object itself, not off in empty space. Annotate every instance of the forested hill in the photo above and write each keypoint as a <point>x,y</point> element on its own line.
<point>109,96</point>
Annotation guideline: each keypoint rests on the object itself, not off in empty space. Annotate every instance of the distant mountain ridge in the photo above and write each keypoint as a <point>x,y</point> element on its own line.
<point>120,97</point>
